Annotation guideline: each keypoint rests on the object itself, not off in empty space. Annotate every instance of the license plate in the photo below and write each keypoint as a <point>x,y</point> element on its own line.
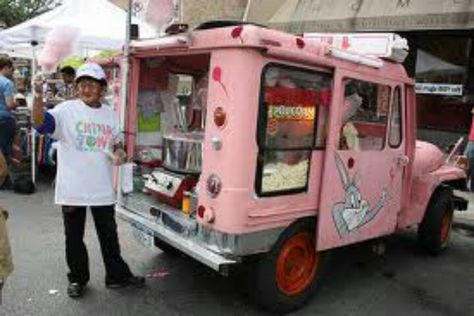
<point>143,235</point>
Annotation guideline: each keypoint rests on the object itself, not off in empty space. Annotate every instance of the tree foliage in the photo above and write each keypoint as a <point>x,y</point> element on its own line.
<point>13,12</point>
<point>107,53</point>
<point>74,61</point>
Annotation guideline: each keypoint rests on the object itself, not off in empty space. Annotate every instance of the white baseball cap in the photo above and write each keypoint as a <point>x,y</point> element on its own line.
<point>91,70</point>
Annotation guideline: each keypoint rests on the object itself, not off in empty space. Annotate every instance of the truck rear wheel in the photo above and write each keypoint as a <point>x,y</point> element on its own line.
<point>435,229</point>
<point>285,278</point>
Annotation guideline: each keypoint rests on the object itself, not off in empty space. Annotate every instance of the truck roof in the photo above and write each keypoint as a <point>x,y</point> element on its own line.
<point>273,43</point>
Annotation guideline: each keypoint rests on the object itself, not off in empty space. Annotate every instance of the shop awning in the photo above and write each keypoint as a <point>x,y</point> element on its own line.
<point>428,64</point>
<point>298,16</point>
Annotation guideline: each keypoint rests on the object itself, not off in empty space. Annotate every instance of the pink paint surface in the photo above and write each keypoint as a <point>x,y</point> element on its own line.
<point>235,87</point>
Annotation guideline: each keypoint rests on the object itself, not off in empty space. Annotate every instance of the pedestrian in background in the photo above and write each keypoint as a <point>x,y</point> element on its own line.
<point>85,130</point>
<point>67,91</point>
<point>7,105</point>
<point>469,153</point>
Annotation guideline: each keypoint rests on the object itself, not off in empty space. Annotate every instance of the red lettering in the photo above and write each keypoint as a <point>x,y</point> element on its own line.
<point>102,142</point>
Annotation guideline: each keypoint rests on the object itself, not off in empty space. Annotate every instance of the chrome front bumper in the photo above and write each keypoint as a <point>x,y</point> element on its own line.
<point>188,246</point>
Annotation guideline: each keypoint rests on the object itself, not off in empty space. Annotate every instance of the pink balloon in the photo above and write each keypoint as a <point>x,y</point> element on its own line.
<point>237,31</point>
<point>217,74</point>
<point>47,63</point>
<point>159,13</point>
<point>59,45</point>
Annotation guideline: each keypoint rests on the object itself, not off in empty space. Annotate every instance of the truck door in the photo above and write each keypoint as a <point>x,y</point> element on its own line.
<point>363,173</point>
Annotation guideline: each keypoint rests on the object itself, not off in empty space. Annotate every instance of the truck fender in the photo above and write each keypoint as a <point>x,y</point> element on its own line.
<point>422,189</point>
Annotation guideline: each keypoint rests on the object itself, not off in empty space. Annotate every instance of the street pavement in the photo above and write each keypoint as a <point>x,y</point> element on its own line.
<point>403,281</point>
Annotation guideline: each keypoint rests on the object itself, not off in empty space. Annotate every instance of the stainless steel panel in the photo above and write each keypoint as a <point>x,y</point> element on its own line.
<point>182,152</point>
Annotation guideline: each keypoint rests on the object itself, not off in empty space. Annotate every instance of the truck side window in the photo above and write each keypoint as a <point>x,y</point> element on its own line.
<point>291,100</point>
<point>395,135</point>
<point>364,115</point>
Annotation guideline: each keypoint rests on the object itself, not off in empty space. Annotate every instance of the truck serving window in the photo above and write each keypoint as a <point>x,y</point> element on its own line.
<point>293,103</point>
<point>364,115</point>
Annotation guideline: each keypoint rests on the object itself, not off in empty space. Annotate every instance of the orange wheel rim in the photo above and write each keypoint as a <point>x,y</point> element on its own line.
<point>446,226</point>
<point>297,264</point>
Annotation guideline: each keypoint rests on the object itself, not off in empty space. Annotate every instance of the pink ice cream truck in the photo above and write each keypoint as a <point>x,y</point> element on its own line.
<point>255,147</point>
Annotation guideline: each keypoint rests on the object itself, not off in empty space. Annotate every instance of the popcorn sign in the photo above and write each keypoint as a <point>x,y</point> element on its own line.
<point>291,104</point>
<point>291,113</point>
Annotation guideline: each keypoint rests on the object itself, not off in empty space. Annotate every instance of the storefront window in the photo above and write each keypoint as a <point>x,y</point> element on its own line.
<point>291,116</point>
<point>364,116</point>
<point>443,83</point>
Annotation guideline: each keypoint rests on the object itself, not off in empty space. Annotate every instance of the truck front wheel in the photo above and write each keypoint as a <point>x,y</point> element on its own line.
<point>288,276</point>
<point>435,229</point>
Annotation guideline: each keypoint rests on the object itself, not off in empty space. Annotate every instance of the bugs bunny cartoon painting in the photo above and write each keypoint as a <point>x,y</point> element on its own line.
<point>354,212</point>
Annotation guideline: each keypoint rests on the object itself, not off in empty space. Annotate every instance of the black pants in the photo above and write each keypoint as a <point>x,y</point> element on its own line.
<point>76,253</point>
<point>7,134</point>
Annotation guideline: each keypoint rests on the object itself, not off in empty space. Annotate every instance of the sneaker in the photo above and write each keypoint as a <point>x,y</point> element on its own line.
<point>75,290</point>
<point>135,281</point>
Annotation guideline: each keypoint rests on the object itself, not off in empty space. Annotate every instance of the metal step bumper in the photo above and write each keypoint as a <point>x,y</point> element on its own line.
<point>188,246</point>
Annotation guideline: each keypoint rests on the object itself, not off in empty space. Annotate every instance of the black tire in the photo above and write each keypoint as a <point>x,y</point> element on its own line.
<point>261,279</point>
<point>435,229</point>
<point>166,248</point>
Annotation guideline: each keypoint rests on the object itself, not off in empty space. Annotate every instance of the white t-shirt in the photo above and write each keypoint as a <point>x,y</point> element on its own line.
<point>85,172</point>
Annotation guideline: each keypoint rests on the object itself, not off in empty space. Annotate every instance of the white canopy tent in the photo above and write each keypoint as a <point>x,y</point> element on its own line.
<point>17,51</point>
<point>101,25</point>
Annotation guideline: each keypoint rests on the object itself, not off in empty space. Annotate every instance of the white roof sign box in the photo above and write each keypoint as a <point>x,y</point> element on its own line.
<point>383,45</point>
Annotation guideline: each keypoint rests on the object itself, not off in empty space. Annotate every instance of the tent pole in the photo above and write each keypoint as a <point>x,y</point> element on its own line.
<point>124,93</point>
<point>33,131</point>
<point>247,9</point>
<point>181,11</point>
